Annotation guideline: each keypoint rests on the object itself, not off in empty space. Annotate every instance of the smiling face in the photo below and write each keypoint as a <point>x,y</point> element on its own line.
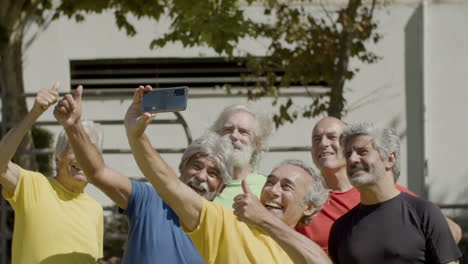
<point>284,192</point>
<point>364,163</point>
<point>69,172</point>
<point>326,149</point>
<point>203,176</point>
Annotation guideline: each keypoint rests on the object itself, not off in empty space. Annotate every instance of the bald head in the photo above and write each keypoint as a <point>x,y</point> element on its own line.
<point>326,149</point>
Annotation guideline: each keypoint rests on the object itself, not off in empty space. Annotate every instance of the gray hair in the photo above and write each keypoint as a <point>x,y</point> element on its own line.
<point>317,193</point>
<point>384,140</point>
<point>93,130</point>
<point>262,128</point>
<point>215,147</point>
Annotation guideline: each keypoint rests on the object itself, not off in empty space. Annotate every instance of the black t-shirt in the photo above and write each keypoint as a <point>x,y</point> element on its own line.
<point>404,229</point>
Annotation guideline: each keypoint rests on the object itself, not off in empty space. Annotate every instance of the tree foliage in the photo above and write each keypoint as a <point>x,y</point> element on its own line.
<point>309,46</point>
<point>15,16</point>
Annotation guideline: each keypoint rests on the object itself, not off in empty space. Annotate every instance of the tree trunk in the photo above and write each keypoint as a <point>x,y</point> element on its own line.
<point>337,100</point>
<point>14,106</point>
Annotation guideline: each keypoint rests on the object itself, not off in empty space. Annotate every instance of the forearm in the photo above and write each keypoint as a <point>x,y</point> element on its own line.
<point>115,185</point>
<point>299,248</point>
<point>86,153</point>
<point>10,142</point>
<point>183,200</point>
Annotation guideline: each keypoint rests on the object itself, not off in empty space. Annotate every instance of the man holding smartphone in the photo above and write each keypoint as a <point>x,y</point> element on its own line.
<point>155,234</point>
<point>218,234</point>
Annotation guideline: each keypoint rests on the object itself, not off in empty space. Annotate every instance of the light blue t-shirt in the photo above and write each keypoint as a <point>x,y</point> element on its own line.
<point>155,234</point>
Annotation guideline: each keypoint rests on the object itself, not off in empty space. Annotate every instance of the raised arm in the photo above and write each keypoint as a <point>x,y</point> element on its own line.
<point>300,249</point>
<point>116,186</point>
<point>184,201</point>
<point>9,172</point>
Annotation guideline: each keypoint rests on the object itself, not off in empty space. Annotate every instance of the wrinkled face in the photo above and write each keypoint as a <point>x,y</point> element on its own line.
<point>364,164</point>
<point>203,176</point>
<point>326,150</point>
<point>284,192</point>
<point>239,127</point>
<point>68,167</point>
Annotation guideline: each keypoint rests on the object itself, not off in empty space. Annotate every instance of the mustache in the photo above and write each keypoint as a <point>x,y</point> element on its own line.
<point>237,144</point>
<point>358,166</point>
<point>195,182</point>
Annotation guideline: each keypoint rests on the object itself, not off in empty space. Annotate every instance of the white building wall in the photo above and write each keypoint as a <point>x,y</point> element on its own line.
<point>446,102</point>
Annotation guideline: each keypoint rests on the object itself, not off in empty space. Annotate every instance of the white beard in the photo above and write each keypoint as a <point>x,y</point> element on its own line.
<point>242,157</point>
<point>209,195</point>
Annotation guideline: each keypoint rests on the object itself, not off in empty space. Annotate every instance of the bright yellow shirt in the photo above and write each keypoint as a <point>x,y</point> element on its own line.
<point>221,238</point>
<point>52,224</point>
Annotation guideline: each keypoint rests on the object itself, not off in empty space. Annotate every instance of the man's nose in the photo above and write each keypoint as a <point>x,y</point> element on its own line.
<point>323,142</point>
<point>353,157</point>
<point>275,190</point>
<point>201,175</point>
<point>234,135</point>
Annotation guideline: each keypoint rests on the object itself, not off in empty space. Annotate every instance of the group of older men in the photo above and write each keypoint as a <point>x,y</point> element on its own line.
<point>220,210</point>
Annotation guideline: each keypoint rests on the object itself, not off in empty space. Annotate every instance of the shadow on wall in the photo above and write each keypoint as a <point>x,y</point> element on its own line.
<point>414,90</point>
<point>375,96</point>
<point>394,123</point>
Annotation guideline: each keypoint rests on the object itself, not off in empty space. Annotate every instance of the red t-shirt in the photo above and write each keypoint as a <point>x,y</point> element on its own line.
<point>337,205</point>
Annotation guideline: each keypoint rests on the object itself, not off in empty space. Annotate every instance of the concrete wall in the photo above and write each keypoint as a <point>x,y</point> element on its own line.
<point>446,102</point>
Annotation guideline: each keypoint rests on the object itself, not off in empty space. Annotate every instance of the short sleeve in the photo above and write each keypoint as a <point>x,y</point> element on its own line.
<point>209,231</point>
<point>440,245</point>
<point>26,189</point>
<point>139,199</point>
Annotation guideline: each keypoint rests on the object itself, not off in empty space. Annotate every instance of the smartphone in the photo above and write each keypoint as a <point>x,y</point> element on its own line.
<point>165,100</point>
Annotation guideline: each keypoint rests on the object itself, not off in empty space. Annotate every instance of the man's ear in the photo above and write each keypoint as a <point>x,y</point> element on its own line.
<point>390,161</point>
<point>309,209</point>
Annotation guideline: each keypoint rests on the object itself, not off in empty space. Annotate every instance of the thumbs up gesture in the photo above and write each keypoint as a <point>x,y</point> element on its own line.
<point>68,110</point>
<point>46,98</point>
<point>248,208</point>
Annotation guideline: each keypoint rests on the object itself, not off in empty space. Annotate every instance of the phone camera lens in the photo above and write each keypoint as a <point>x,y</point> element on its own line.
<point>179,92</point>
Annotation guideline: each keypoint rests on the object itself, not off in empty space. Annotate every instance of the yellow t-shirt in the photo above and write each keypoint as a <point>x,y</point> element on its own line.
<point>221,238</point>
<point>52,224</point>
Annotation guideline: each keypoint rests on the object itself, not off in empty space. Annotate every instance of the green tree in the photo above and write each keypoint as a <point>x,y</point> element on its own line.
<point>15,16</point>
<point>217,23</point>
<point>311,48</point>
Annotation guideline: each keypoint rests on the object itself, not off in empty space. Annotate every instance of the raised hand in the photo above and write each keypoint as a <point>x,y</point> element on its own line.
<point>45,98</point>
<point>248,208</point>
<point>68,110</point>
<point>136,121</point>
